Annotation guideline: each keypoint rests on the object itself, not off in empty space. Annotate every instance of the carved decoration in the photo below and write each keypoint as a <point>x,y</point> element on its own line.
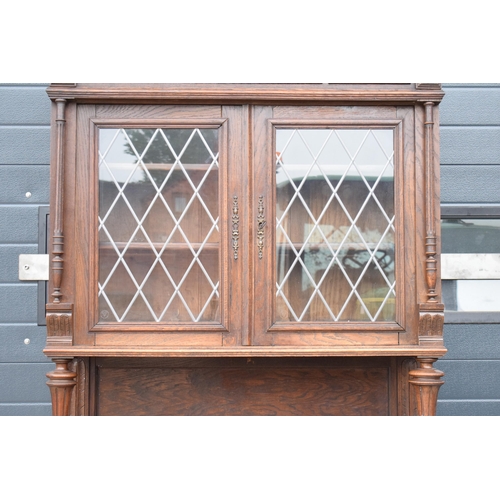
<point>426,381</point>
<point>430,324</point>
<point>61,383</point>
<point>235,232</point>
<point>431,266</point>
<point>58,234</point>
<point>59,320</point>
<point>261,221</point>
<point>59,324</point>
<point>430,240</point>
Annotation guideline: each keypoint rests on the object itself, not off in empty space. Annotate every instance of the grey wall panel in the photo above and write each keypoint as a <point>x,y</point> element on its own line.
<point>18,303</point>
<point>470,173</point>
<point>18,224</point>
<point>470,106</point>
<point>25,145</point>
<point>9,261</point>
<point>24,105</point>
<point>24,159</point>
<point>26,410</point>
<point>27,382</point>
<point>470,379</point>
<point>470,145</point>
<point>470,184</point>
<point>13,348</point>
<point>16,181</point>
<point>449,85</point>
<point>472,341</point>
<point>472,408</point>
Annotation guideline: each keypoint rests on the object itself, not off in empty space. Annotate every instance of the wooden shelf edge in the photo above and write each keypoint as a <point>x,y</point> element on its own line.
<point>251,351</point>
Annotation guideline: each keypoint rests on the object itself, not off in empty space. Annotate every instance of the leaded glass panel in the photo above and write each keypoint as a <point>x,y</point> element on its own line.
<point>159,225</point>
<point>335,225</point>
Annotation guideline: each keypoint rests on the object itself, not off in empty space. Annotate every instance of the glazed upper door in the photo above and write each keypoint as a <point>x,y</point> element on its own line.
<point>163,225</point>
<point>180,240</point>
<point>333,196</point>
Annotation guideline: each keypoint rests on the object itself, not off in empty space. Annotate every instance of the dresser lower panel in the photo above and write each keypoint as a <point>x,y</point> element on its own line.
<point>243,386</point>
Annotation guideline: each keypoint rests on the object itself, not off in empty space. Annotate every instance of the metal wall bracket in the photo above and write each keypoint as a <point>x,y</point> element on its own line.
<point>34,267</point>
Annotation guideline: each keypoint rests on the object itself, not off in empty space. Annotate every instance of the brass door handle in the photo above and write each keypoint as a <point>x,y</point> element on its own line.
<point>235,227</point>
<point>261,222</point>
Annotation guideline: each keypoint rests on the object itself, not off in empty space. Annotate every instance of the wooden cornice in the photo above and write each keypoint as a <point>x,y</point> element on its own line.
<point>248,93</point>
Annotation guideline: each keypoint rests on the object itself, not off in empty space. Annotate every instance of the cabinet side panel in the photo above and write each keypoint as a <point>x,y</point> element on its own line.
<point>411,203</point>
<point>84,223</point>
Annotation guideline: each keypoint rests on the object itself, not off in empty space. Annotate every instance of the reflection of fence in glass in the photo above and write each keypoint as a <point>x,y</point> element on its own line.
<point>335,225</point>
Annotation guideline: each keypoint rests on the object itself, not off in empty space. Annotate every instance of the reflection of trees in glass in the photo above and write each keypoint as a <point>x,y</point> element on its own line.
<point>159,152</point>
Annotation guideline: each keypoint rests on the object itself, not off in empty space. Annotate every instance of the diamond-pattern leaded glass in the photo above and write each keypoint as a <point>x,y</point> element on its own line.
<point>335,225</point>
<point>158,225</point>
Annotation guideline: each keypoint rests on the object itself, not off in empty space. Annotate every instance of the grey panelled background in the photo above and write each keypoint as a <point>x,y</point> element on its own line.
<point>470,159</point>
<point>24,167</point>
<point>470,173</point>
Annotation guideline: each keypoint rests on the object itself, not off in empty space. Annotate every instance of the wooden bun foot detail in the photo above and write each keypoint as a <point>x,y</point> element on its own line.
<point>426,380</point>
<point>61,383</point>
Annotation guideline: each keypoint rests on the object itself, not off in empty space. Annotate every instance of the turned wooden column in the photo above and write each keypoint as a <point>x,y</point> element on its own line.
<point>61,383</point>
<point>426,380</point>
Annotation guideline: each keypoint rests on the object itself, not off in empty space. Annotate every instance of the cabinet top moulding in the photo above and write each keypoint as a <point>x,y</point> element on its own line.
<point>402,93</point>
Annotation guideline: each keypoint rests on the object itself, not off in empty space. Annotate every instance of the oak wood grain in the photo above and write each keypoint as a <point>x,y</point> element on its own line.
<point>245,387</point>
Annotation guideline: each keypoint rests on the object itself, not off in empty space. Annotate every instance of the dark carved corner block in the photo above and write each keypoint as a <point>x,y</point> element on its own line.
<point>59,324</point>
<point>430,325</point>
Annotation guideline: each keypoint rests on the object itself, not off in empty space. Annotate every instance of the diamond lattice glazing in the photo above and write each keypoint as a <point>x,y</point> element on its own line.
<point>158,225</point>
<point>335,225</point>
